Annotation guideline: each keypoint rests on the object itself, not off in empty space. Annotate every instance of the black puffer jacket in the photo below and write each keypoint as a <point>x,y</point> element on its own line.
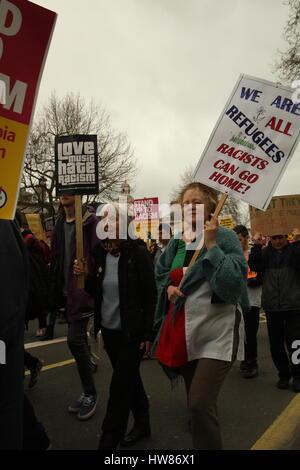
<point>280,275</point>
<point>137,289</point>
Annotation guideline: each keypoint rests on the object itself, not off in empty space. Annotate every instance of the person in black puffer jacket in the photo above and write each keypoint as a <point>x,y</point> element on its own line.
<point>123,286</point>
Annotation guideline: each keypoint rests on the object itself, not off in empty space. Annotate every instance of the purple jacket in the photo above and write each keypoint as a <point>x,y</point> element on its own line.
<point>79,303</point>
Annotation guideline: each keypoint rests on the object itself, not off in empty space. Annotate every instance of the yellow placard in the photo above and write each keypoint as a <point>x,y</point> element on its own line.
<point>13,137</point>
<point>226,222</point>
<point>147,229</point>
<point>35,224</point>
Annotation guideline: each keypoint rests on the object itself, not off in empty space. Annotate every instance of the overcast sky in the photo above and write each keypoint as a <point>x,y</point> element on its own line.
<point>163,70</point>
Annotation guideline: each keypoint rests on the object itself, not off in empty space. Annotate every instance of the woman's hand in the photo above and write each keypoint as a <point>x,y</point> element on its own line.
<point>80,268</point>
<point>210,232</point>
<point>174,292</point>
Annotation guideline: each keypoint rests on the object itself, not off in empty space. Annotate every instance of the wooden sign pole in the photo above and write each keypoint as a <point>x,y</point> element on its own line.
<point>79,238</point>
<point>220,204</point>
<point>201,243</point>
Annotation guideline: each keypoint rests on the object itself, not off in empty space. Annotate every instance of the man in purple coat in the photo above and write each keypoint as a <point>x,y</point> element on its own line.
<point>79,304</point>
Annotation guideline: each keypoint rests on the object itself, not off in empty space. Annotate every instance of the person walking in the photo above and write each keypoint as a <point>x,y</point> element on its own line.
<point>38,298</point>
<point>40,252</point>
<point>200,323</point>
<point>123,286</point>
<point>249,367</point>
<point>79,304</point>
<point>279,263</point>
<point>14,281</point>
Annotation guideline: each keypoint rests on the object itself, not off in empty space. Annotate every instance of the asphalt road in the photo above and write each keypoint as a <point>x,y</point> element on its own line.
<point>247,407</point>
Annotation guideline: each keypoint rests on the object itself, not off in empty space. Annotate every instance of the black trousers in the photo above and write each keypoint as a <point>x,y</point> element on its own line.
<point>34,434</point>
<point>251,319</point>
<point>126,388</point>
<point>13,298</point>
<point>12,387</point>
<point>30,361</point>
<point>283,330</point>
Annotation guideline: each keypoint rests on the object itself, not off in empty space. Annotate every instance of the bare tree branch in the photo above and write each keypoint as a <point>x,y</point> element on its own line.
<point>67,116</point>
<point>288,65</point>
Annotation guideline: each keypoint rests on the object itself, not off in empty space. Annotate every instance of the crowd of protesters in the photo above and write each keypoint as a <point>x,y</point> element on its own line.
<point>192,301</point>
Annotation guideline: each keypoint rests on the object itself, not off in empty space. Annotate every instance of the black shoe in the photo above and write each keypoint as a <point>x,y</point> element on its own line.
<point>49,334</point>
<point>296,385</point>
<point>108,442</point>
<point>283,383</point>
<point>34,373</point>
<point>250,371</point>
<point>136,434</point>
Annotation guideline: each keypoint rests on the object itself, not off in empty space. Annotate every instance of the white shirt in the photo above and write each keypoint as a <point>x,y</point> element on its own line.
<point>254,294</point>
<point>210,327</point>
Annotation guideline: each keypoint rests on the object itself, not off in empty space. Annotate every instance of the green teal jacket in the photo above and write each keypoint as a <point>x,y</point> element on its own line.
<point>224,267</point>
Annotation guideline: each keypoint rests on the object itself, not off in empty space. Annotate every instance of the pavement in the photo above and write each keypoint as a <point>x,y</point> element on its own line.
<point>253,413</point>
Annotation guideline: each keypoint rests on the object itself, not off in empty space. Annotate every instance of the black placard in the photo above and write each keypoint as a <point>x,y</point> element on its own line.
<point>76,165</point>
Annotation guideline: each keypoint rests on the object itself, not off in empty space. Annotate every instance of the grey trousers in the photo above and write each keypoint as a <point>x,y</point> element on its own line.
<point>203,380</point>
<point>78,345</point>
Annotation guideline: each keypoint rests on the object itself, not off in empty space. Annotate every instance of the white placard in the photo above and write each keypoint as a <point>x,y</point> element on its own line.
<point>252,142</point>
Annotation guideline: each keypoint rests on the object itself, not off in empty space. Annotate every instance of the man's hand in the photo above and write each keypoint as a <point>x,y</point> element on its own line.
<point>80,268</point>
<point>258,239</point>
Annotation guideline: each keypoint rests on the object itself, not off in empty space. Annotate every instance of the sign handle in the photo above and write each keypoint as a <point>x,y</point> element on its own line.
<point>201,243</point>
<point>79,238</point>
<point>220,204</point>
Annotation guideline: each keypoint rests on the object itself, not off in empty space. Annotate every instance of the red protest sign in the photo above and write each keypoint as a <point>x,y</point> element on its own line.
<point>146,209</point>
<point>146,217</point>
<point>26,29</point>
<point>25,34</point>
